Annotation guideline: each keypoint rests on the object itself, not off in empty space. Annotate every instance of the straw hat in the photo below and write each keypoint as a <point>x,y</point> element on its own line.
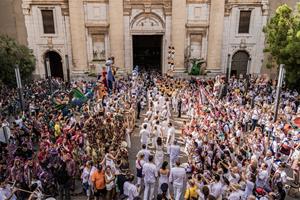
<point>124,144</point>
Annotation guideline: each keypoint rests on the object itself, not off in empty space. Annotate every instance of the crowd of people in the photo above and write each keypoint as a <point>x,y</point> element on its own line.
<point>65,134</point>
<point>235,147</point>
<point>232,148</point>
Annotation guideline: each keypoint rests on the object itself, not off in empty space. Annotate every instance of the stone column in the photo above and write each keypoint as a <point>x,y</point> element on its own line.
<point>127,45</point>
<point>167,43</point>
<point>116,32</point>
<point>215,35</point>
<point>178,32</point>
<point>77,29</point>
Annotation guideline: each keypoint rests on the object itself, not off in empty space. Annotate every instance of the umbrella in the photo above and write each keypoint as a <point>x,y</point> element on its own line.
<point>4,134</point>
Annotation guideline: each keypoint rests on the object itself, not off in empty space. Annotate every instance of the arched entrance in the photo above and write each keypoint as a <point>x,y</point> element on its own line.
<point>239,63</point>
<point>56,67</point>
<point>147,31</point>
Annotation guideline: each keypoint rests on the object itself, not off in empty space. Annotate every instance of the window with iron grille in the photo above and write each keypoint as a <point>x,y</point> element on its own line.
<point>244,23</point>
<point>48,21</point>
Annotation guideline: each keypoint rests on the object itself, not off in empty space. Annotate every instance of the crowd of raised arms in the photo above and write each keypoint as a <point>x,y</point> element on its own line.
<point>200,139</point>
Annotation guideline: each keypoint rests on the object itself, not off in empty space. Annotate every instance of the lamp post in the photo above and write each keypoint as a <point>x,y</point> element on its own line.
<point>48,72</point>
<point>19,85</point>
<point>278,90</point>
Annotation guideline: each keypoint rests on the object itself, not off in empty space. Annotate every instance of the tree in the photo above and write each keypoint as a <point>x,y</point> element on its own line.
<point>283,42</point>
<point>12,53</point>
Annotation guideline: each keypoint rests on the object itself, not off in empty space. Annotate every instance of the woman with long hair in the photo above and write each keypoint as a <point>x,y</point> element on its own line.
<point>164,173</point>
<point>159,153</point>
<point>110,183</point>
<point>139,168</point>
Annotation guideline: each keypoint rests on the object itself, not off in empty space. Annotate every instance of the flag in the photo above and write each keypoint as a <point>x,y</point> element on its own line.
<point>60,106</point>
<point>110,76</point>
<point>77,93</point>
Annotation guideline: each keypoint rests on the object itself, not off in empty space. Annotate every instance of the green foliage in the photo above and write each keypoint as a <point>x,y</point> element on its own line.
<point>196,68</point>
<point>283,42</point>
<point>12,53</point>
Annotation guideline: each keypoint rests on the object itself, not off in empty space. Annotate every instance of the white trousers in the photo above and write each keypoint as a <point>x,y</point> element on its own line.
<point>173,161</point>
<point>148,186</point>
<point>177,191</point>
<point>139,181</point>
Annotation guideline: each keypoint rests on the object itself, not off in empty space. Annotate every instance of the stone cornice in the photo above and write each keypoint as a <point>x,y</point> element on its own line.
<point>200,28</point>
<point>197,1</point>
<point>96,1</point>
<point>240,3</point>
<point>197,25</point>
<point>147,5</point>
<point>96,28</point>
<point>47,2</point>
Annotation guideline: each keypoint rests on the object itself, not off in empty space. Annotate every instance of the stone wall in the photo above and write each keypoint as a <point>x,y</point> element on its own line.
<point>90,31</point>
<point>253,42</point>
<point>41,43</point>
<point>12,21</point>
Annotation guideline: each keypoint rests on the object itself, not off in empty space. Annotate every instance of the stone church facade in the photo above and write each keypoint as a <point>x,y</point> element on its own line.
<point>78,35</point>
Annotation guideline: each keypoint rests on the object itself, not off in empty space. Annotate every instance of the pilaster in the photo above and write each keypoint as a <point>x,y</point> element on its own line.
<point>116,32</point>
<point>215,36</point>
<point>178,32</point>
<point>77,29</point>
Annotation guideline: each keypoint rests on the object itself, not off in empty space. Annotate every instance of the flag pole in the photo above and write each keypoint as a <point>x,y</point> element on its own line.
<point>278,90</point>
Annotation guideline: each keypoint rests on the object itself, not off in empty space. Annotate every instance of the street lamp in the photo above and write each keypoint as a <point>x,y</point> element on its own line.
<point>278,90</point>
<point>19,85</point>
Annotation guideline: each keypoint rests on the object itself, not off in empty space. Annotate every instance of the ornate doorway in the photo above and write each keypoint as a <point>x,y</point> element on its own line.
<point>147,51</point>
<point>147,41</point>
<point>239,64</point>
<point>56,67</point>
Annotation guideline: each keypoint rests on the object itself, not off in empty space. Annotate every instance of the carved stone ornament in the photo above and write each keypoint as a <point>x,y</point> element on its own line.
<point>147,22</point>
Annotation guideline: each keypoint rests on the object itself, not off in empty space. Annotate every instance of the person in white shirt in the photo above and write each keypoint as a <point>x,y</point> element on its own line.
<point>237,193</point>
<point>161,101</point>
<point>262,177</point>
<point>145,152</point>
<point>130,190</point>
<point>146,121</point>
<point>234,176</point>
<point>164,128</point>
<point>144,134</point>
<point>269,160</point>
<point>85,176</point>
<point>164,113</point>
<point>216,188</point>
<point>170,136</point>
<point>174,153</point>
<point>177,178</point>
<point>255,117</point>
<point>250,184</point>
<point>150,174</point>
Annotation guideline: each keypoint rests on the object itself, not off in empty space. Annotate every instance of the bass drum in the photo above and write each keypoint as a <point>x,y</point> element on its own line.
<point>50,198</point>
